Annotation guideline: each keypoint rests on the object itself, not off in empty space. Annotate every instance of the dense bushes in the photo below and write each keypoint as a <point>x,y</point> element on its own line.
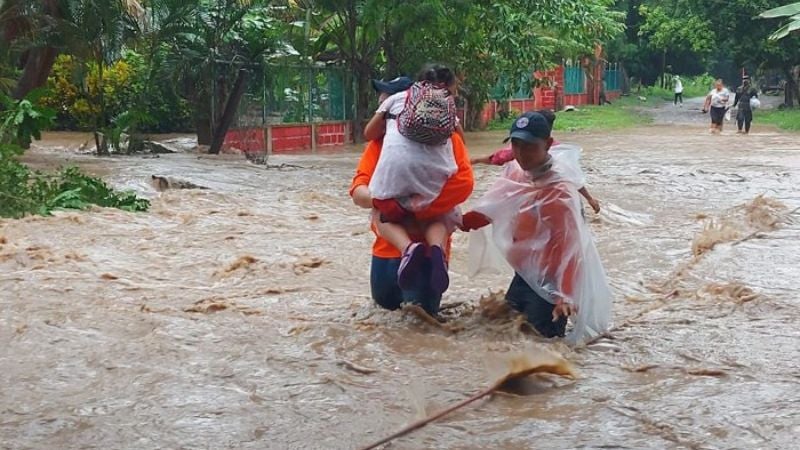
<point>74,90</point>
<point>24,192</point>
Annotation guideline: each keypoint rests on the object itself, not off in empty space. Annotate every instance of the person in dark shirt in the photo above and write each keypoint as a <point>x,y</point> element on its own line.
<point>744,94</point>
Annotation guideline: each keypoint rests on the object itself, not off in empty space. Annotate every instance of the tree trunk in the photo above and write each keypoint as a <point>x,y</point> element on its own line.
<point>101,142</point>
<point>101,123</point>
<point>389,49</point>
<point>229,113</point>
<point>790,91</point>
<point>38,61</point>
<point>475,111</point>
<point>201,113</point>
<point>36,70</point>
<point>363,89</point>
<point>202,125</point>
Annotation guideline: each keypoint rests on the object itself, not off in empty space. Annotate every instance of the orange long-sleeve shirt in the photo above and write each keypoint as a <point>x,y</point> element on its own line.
<point>456,190</point>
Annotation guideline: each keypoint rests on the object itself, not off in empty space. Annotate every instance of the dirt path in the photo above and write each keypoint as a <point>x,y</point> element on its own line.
<point>691,112</point>
<point>231,317</point>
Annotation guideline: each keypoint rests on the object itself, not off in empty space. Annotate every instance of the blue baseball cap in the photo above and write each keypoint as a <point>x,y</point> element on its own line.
<point>392,87</point>
<point>529,127</point>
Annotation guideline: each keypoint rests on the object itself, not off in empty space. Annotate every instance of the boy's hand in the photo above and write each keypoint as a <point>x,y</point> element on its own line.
<point>595,205</point>
<point>390,210</point>
<point>473,221</point>
<point>564,309</point>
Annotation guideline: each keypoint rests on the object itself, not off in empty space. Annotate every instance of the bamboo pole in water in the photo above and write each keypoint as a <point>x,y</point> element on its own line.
<point>513,375</point>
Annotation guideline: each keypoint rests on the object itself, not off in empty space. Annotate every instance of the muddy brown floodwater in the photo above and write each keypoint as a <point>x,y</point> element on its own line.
<point>239,316</point>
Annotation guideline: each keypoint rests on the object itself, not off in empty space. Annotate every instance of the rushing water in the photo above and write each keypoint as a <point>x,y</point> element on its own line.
<point>232,317</point>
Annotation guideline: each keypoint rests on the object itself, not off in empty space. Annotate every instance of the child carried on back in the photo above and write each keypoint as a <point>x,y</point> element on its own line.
<point>415,163</point>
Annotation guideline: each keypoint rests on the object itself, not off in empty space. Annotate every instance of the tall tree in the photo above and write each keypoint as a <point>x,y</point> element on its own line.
<point>29,25</point>
<point>94,32</point>
<point>675,29</point>
<point>354,29</point>
<point>212,62</point>
<point>739,30</point>
<point>485,40</point>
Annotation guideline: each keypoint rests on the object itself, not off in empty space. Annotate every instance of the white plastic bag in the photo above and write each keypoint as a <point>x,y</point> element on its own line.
<point>484,257</point>
<point>755,103</point>
<point>538,228</point>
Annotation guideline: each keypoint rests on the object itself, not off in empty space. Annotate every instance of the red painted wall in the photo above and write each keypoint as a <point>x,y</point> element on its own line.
<point>550,95</point>
<point>288,138</point>
<point>248,140</point>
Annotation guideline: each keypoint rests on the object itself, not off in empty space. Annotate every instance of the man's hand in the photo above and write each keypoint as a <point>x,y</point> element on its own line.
<point>390,210</point>
<point>564,309</point>
<point>473,221</point>
<point>595,205</point>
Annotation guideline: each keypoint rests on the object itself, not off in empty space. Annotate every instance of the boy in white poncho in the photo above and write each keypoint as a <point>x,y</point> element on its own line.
<point>535,212</point>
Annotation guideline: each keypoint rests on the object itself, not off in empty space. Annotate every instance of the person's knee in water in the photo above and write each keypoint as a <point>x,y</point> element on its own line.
<point>537,310</point>
<point>552,204</point>
<point>387,293</point>
<point>386,260</point>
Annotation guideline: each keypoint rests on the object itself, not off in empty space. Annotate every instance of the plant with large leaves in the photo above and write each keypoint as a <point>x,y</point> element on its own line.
<point>226,41</point>
<point>736,27</point>
<point>350,31</point>
<point>94,32</point>
<point>792,11</point>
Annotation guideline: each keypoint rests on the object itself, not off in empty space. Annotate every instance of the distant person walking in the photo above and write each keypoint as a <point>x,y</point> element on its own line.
<point>678,90</point>
<point>717,105</point>
<point>744,98</point>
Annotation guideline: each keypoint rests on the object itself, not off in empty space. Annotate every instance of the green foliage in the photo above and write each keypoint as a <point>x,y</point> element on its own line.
<point>792,11</point>
<point>73,88</point>
<point>484,40</point>
<point>22,121</point>
<point>665,31</point>
<point>216,40</point>
<point>590,118</point>
<point>24,192</point>
<point>719,37</point>
<point>697,86</point>
<point>787,119</point>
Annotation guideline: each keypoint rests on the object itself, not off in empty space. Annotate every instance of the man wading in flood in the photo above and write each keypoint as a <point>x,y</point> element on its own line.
<point>385,257</point>
<point>744,96</point>
<point>535,211</point>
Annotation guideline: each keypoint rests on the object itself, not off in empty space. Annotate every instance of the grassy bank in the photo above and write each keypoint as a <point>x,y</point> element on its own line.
<point>698,86</point>
<point>788,119</point>
<point>621,114</point>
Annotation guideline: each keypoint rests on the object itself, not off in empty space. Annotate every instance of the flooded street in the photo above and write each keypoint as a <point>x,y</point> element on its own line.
<point>234,316</point>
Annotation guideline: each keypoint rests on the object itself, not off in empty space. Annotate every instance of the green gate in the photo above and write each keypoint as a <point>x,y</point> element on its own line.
<point>574,79</point>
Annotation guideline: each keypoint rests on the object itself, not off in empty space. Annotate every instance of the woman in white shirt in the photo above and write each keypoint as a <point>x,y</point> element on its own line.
<point>717,105</point>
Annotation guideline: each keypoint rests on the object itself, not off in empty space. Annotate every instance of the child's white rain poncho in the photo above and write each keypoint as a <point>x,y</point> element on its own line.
<point>411,172</point>
<point>537,226</point>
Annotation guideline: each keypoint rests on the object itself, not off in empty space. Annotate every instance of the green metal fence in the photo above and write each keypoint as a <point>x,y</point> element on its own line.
<point>507,89</point>
<point>295,94</point>
<point>574,79</point>
<point>307,94</point>
<point>612,77</point>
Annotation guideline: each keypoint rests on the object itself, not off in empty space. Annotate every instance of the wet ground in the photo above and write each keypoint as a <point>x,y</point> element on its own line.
<point>239,316</point>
